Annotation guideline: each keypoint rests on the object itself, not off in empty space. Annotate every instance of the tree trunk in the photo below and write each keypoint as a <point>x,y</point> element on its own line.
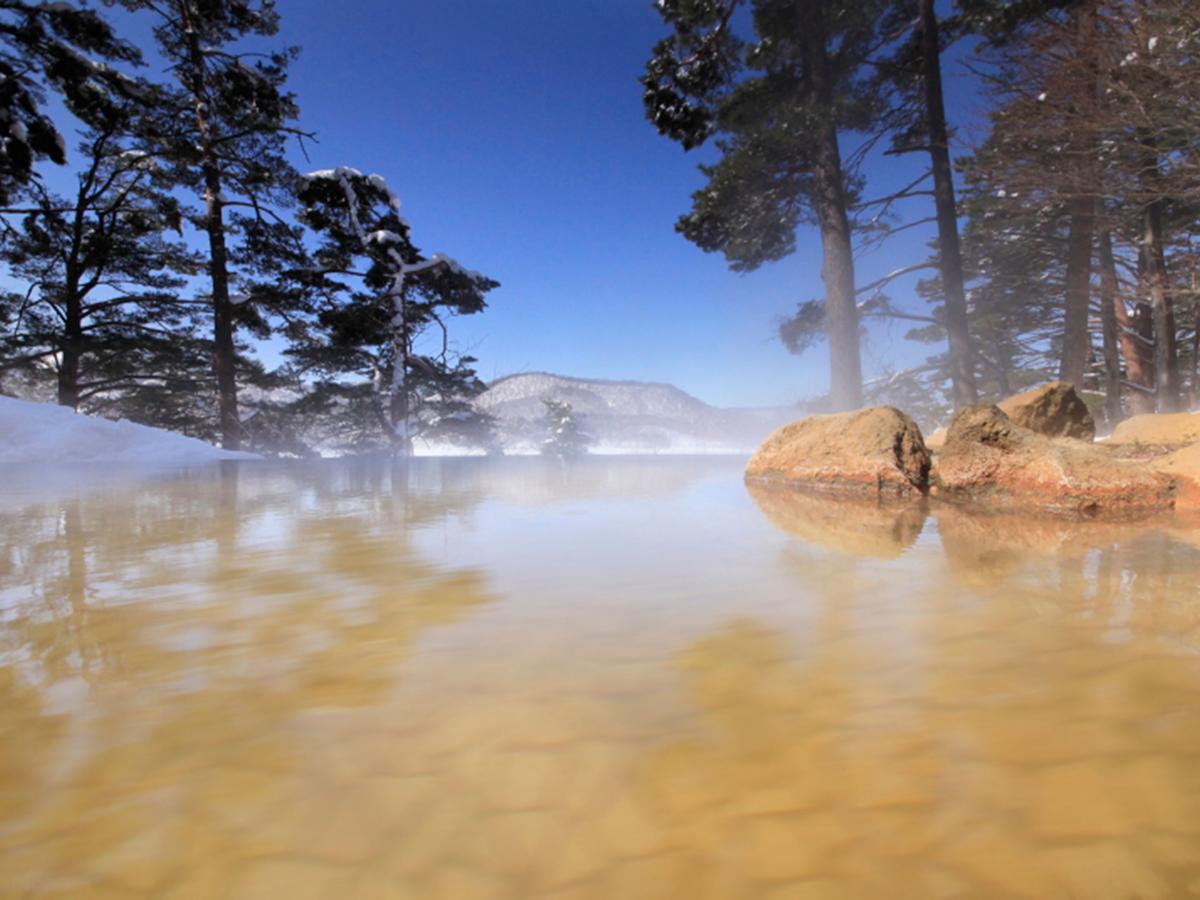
<point>72,344</point>
<point>962,372</point>
<point>224,351</point>
<point>1111,335</point>
<point>1082,151</point>
<point>72,351</point>
<point>837,267</point>
<point>1154,286</point>
<point>1195,353</point>
<point>1077,340</point>
<point>399,405</point>
<point>1130,336</point>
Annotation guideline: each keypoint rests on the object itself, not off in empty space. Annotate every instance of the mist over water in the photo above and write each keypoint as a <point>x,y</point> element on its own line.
<point>614,678</point>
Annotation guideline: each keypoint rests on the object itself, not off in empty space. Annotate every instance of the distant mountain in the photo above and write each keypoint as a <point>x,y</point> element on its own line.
<point>626,416</point>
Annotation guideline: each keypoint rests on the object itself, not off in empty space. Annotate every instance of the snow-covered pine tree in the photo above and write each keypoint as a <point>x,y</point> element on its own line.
<point>564,437</point>
<point>775,95</point>
<point>378,340</point>
<point>100,308</point>
<point>61,47</point>
<point>220,132</point>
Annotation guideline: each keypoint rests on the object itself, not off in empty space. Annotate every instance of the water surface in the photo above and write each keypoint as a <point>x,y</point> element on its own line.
<point>617,679</point>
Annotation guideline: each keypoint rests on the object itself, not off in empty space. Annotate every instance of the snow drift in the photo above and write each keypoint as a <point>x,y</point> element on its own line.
<point>45,433</point>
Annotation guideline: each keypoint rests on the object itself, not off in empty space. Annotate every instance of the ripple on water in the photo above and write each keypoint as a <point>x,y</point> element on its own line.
<point>623,678</point>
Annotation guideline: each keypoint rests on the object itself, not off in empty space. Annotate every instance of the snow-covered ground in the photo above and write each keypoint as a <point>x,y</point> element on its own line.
<point>46,433</point>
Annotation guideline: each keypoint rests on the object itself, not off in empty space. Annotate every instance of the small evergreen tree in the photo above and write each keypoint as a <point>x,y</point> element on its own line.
<point>564,437</point>
<point>378,341</point>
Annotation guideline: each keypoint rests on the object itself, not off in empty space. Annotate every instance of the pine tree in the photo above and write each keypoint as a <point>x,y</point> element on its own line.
<point>101,307</point>
<point>60,47</point>
<point>775,103</point>
<point>378,342</point>
<point>909,71</point>
<point>564,436</point>
<point>221,131</point>
<point>1092,152</point>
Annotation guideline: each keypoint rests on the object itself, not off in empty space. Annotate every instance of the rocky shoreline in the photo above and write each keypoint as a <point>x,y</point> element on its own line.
<point>1034,452</point>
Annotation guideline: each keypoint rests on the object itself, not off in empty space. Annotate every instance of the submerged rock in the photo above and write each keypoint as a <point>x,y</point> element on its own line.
<point>1161,429</point>
<point>990,459</point>
<point>1053,409</point>
<point>869,451</point>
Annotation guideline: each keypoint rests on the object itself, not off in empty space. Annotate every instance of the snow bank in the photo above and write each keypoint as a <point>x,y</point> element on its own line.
<point>45,433</point>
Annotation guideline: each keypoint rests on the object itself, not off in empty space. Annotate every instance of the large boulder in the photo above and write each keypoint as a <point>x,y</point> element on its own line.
<point>869,451</point>
<point>1164,429</point>
<point>1053,409</point>
<point>990,459</point>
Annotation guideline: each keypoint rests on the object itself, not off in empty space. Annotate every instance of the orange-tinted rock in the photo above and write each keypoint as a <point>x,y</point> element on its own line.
<point>1184,466</point>
<point>937,440</point>
<point>1053,409</point>
<point>1168,430</point>
<point>872,451</point>
<point>990,459</point>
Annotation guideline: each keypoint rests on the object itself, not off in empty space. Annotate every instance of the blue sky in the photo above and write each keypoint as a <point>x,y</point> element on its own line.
<point>513,131</point>
<point>515,135</point>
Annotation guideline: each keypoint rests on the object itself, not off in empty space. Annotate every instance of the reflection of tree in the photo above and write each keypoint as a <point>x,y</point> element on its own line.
<point>168,636</point>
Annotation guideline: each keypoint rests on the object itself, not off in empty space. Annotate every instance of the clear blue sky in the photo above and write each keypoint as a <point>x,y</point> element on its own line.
<point>515,135</point>
<point>513,131</point>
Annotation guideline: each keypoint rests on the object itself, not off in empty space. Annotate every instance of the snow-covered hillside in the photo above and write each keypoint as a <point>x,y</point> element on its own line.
<point>46,433</point>
<point>626,416</point>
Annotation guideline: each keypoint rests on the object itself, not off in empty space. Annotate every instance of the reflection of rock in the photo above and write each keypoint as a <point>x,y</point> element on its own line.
<point>1053,409</point>
<point>1174,430</point>
<point>861,526</point>
<point>985,543</point>
<point>988,458</point>
<point>873,451</point>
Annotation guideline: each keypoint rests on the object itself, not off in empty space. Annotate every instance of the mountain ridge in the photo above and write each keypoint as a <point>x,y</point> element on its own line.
<point>626,416</point>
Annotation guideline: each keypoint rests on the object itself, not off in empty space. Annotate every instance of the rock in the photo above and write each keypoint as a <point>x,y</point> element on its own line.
<point>861,526</point>
<point>1184,466</point>
<point>937,440</point>
<point>875,451</point>
<point>1167,429</point>
<point>988,458</point>
<point>1053,409</point>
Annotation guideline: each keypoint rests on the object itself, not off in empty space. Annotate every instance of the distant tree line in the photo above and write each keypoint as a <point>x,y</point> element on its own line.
<point>1067,247</point>
<point>188,235</point>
